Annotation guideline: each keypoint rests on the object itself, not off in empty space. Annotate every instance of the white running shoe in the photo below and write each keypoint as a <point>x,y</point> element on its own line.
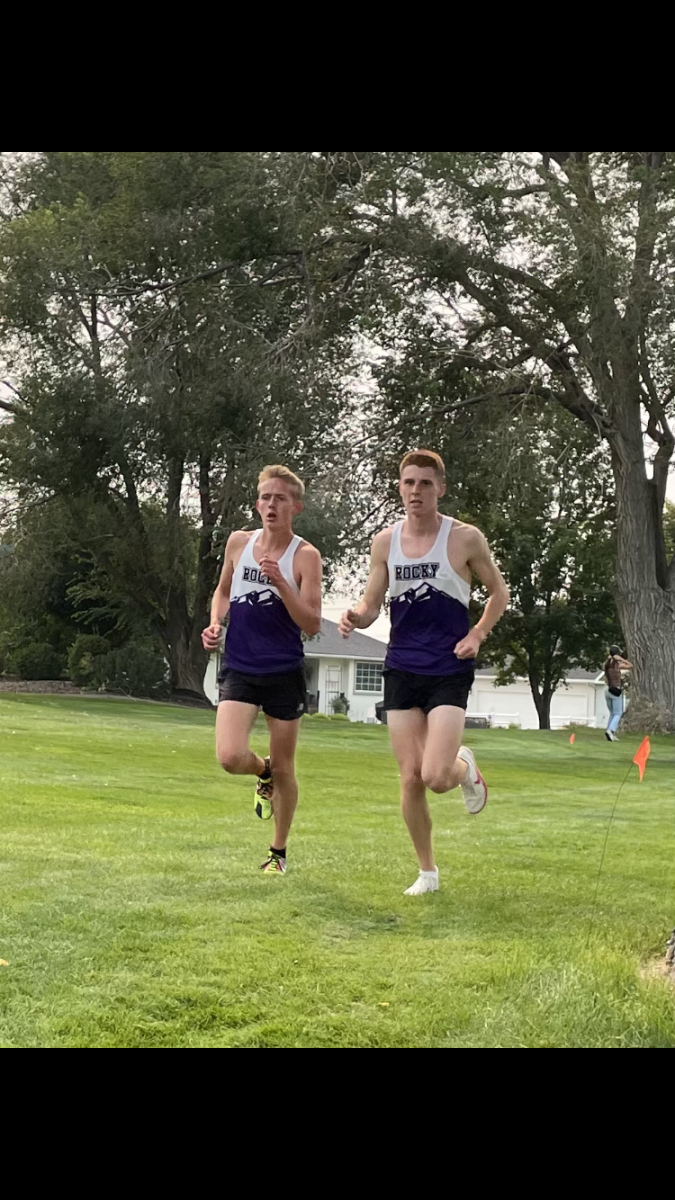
<point>427,881</point>
<point>474,788</point>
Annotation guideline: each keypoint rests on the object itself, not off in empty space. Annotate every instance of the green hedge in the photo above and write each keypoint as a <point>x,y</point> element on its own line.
<point>137,670</point>
<point>87,660</point>
<point>37,660</point>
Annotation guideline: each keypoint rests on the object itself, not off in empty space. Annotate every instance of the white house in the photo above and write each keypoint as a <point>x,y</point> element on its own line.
<point>353,667</point>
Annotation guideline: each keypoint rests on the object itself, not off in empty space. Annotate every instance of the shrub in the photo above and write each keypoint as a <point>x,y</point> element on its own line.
<point>340,704</point>
<point>86,660</point>
<point>137,670</point>
<point>37,660</point>
<point>339,716</point>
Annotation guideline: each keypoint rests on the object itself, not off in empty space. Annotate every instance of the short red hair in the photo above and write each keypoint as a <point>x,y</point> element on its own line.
<point>424,458</point>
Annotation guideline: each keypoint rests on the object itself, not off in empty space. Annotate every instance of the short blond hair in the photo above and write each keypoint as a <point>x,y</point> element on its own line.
<point>278,472</point>
<point>423,458</point>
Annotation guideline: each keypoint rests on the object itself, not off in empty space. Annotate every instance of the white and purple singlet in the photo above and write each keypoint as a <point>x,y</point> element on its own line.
<point>262,637</point>
<point>429,609</point>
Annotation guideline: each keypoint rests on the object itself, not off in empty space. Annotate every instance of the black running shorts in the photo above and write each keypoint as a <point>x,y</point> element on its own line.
<point>403,690</point>
<point>283,697</point>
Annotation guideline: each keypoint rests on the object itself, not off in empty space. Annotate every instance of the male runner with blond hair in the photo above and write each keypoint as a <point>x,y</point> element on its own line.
<point>427,561</point>
<point>271,586</point>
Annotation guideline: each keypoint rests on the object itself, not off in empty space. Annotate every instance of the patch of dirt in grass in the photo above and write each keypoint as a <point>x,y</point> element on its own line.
<point>658,968</point>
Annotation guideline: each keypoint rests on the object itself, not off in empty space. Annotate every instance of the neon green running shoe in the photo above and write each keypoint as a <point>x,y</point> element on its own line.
<point>274,865</point>
<point>263,793</point>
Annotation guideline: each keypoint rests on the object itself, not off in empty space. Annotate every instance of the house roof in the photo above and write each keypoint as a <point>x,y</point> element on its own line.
<point>330,644</point>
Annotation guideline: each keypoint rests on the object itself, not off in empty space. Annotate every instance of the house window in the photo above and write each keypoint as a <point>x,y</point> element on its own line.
<point>368,677</point>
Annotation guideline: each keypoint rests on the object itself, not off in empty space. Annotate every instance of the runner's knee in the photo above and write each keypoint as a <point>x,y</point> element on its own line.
<point>283,774</point>
<point>438,781</point>
<point>411,777</point>
<point>234,762</point>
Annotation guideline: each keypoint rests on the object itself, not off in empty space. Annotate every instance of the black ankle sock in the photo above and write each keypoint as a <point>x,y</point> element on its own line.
<point>279,853</point>
<point>267,770</point>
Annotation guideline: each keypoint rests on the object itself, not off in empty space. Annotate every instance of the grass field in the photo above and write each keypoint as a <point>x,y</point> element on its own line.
<point>133,912</point>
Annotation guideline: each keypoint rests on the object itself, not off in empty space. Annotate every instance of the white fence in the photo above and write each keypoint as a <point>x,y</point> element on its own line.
<point>497,720</point>
<point>504,720</point>
<point>559,722</point>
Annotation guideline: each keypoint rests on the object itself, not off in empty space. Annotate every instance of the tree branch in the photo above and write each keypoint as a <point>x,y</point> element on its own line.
<point>526,388</point>
<point>574,397</point>
<point>646,373</point>
<point>645,240</point>
<point>9,405</point>
<point>483,193</point>
<point>658,428</point>
<point>119,291</point>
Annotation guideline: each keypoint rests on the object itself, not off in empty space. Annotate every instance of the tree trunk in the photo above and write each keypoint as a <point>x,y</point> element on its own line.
<point>646,607</point>
<point>188,669</point>
<point>542,703</point>
<point>187,662</point>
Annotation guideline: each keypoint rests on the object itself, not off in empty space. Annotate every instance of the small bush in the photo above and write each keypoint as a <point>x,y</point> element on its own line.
<point>37,660</point>
<point>87,660</point>
<point>320,717</point>
<point>137,670</point>
<point>338,716</point>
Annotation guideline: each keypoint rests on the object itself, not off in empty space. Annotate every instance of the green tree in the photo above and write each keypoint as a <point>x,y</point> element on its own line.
<point>51,589</point>
<point>562,612</point>
<point>169,327</point>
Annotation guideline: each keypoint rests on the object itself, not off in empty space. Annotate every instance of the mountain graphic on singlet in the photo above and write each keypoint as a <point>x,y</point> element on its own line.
<point>415,594</point>
<point>258,598</point>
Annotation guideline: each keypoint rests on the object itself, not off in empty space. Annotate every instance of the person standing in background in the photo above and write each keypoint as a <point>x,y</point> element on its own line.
<point>613,667</point>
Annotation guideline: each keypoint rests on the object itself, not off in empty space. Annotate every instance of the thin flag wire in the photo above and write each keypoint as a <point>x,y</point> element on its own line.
<point>602,857</point>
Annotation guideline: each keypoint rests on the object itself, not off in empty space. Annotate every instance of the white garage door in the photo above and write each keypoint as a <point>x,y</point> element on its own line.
<point>503,701</point>
<point>566,704</point>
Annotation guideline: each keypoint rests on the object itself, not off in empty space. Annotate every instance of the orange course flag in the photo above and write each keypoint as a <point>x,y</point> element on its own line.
<point>641,755</point>
<point>572,737</point>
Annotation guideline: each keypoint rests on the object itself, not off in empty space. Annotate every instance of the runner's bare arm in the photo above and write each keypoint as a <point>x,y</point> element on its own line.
<point>303,607</point>
<point>480,560</point>
<point>220,604</point>
<point>367,610</point>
